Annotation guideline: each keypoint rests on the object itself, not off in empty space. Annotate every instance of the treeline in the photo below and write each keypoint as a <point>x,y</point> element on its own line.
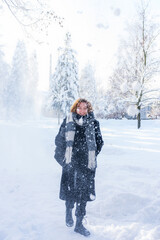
<point>18,84</point>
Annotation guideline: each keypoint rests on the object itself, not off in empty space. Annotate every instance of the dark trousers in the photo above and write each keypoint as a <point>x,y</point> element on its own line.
<point>80,207</point>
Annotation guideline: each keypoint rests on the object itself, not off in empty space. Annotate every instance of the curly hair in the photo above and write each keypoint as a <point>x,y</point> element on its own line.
<point>77,103</point>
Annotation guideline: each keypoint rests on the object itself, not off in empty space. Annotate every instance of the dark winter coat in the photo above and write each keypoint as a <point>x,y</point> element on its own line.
<point>77,181</point>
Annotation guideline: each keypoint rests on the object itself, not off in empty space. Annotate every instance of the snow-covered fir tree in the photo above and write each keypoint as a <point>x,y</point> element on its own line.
<point>64,83</point>
<point>4,79</point>
<point>16,88</point>
<point>87,84</point>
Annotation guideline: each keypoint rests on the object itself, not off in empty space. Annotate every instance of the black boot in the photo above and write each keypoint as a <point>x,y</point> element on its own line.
<point>79,228</point>
<point>69,219</point>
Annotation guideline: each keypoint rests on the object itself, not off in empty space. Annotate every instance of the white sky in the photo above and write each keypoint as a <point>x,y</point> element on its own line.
<point>96,27</point>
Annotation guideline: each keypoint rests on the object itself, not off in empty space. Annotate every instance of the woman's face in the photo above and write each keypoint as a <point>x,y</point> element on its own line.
<point>82,109</point>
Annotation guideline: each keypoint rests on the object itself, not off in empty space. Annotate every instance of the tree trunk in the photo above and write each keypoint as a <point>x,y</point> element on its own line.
<point>139,118</point>
<point>58,117</point>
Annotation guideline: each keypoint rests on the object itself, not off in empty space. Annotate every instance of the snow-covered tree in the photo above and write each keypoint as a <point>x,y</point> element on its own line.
<point>139,62</point>
<point>109,105</point>
<point>4,78</point>
<point>16,88</point>
<point>116,104</point>
<point>64,83</point>
<point>155,112</point>
<point>31,85</point>
<point>36,17</point>
<point>87,84</point>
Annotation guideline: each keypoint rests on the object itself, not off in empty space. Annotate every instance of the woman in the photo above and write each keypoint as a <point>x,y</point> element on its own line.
<point>78,143</point>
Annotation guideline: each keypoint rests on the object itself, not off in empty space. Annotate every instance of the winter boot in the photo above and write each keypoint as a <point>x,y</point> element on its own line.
<point>69,219</point>
<point>79,228</point>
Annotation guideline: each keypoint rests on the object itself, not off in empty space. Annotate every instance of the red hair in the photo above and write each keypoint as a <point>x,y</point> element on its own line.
<point>77,103</point>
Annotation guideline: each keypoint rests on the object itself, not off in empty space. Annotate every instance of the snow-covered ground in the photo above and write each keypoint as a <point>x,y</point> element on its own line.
<point>127,206</point>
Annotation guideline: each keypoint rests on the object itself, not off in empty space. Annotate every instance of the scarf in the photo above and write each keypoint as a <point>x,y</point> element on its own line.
<point>88,122</point>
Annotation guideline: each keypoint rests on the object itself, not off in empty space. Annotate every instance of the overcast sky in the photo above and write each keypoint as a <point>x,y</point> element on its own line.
<point>96,27</point>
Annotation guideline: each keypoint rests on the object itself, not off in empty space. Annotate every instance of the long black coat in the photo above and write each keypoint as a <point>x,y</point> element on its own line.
<point>77,181</point>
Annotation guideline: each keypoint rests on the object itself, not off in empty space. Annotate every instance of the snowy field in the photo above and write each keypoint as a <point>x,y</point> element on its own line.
<point>127,206</point>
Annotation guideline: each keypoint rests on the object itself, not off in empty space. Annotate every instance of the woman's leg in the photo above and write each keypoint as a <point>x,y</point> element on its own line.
<point>69,207</point>
<point>81,208</point>
<point>80,213</point>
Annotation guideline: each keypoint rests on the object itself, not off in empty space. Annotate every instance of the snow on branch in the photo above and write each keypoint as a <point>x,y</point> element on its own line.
<point>152,90</point>
<point>149,99</point>
<point>33,15</point>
